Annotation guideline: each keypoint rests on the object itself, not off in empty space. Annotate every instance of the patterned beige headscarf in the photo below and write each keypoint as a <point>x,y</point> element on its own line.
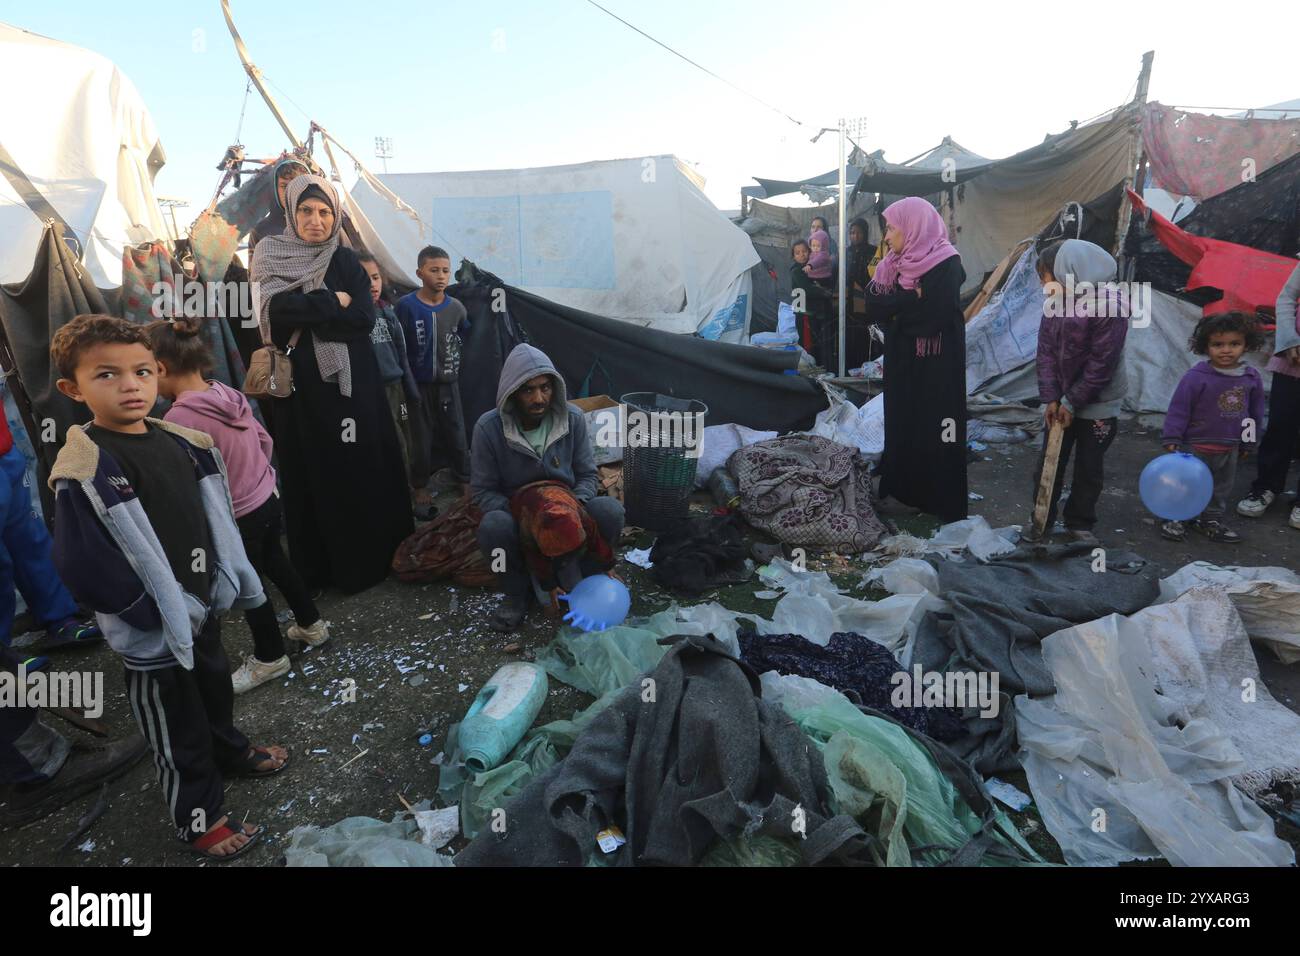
<point>287,262</point>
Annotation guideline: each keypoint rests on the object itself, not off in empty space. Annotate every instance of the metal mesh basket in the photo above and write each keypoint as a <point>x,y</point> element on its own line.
<point>658,481</point>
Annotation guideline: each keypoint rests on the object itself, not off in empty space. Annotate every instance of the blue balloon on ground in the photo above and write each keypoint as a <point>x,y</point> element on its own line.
<point>597,602</point>
<point>1176,486</point>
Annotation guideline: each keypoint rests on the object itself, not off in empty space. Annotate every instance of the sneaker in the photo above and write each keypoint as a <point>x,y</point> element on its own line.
<point>85,769</point>
<point>254,673</point>
<point>72,631</point>
<point>1255,504</point>
<point>1173,531</point>
<point>1082,536</point>
<point>1216,530</point>
<point>313,636</point>
<point>1294,520</point>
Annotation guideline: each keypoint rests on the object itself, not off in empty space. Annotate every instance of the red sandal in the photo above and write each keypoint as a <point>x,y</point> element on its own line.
<point>202,846</point>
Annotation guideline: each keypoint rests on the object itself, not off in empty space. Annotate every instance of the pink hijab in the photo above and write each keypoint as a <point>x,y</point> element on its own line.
<point>925,244</point>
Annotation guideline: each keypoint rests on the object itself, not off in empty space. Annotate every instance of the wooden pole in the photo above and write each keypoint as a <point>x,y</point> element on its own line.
<point>255,75</point>
<point>1136,160</point>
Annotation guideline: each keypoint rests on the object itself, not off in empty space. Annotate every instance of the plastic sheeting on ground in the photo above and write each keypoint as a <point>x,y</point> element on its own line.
<point>1121,772</point>
<point>1204,661</point>
<point>1268,600</point>
<point>719,443</point>
<point>879,771</point>
<point>362,841</point>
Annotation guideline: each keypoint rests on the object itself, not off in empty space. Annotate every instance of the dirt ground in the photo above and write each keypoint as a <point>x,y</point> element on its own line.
<point>419,654</point>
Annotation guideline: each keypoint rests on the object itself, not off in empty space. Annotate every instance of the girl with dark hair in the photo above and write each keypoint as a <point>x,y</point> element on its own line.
<point>346,503</point>
<point>217,409</point>
<point>1216,414</point>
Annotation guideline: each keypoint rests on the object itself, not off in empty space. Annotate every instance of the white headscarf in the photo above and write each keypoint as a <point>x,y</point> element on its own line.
<point>287,262</point>
<point>1086,261</point>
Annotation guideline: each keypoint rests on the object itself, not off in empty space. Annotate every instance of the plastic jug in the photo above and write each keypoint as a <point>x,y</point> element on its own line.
<point>501,714</point>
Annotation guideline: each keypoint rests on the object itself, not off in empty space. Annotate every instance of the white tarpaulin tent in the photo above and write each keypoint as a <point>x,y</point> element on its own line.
<point>75,138</point>
<point>630,239</point>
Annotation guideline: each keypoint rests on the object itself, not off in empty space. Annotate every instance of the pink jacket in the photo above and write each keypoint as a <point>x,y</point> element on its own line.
<point>244,444</point>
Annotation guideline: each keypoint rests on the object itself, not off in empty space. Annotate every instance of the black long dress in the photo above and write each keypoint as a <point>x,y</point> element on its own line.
<point>346,503</point>
<point>924,461</point>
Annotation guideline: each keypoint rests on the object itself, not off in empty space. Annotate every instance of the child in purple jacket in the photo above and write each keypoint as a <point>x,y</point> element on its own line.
<point>1081,378</point>
<point>1216,414</point>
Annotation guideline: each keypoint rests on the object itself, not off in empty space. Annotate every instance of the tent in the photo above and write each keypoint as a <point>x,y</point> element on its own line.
<point>631,239</point>
<point>79,147</point>
<point>991,205</point>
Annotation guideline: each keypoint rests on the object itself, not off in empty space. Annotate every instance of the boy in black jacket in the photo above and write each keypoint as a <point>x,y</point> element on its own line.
<point>145,536</point>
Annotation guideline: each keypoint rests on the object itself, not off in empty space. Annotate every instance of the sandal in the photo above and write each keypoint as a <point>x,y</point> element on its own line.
<point>256,759</point>
<point>202,846</point>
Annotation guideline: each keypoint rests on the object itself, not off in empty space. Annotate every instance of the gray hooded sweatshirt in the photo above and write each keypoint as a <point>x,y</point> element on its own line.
<point>501,459</point>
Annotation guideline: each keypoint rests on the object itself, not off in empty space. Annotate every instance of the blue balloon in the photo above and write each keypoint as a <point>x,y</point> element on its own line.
<point>597,602</point>
<point>1176,486</point>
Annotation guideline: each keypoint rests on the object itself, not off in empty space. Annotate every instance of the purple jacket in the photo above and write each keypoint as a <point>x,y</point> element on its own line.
<point>1080,360</point>
<point>1210,406</point>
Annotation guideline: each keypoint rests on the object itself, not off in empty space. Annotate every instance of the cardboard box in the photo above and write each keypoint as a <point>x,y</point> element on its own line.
<point>601,413</point>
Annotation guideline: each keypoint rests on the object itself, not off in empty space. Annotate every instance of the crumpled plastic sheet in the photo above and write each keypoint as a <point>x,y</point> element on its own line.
<point>1121,772</point>
<point>954,540</point>
<point>812,606</point>
<point>861,428</point>
<point>880,774</point>
<point>719,442</point>
<point>362,841</point>
<point>1268,600</point>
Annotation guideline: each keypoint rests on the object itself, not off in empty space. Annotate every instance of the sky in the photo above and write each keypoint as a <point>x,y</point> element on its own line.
<point>501,84</point>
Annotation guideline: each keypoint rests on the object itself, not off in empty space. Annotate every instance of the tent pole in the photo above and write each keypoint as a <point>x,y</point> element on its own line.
<point>255,75</point>
<point>1136,159</point>
<point>841,271</point>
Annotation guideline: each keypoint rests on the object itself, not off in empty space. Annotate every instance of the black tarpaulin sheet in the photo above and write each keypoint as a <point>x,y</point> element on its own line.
<point>57,290</point>
<point>739,383</point>
<point>1264,215</point>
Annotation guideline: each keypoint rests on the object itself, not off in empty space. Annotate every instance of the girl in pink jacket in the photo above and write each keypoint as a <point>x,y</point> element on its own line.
<point>224,413</point>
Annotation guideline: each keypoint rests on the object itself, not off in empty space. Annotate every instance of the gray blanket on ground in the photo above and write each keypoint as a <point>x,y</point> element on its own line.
<point>1002,610</point>
<point>703,758</point>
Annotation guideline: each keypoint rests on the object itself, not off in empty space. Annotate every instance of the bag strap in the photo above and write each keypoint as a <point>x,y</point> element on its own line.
<point>293,341</point>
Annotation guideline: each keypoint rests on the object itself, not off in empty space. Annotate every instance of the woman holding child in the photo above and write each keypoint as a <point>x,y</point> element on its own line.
<point>345,498</point>
<point>914,297</point>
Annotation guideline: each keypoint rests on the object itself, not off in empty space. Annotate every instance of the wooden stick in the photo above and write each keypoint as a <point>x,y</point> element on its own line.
<point>354,759</point>
<point>1043,500</point>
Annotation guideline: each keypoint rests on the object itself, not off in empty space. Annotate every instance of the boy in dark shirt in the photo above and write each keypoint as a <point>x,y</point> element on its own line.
<point>145,535</point>
<point>431,321</point>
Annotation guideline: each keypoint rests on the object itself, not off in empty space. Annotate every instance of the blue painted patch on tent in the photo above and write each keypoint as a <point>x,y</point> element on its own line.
<point>728,319</point>
<point>485,229</point>
<point>556,240</point>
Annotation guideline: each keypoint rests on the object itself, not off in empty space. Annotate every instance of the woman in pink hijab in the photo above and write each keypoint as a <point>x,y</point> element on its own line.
<point>914,297</point>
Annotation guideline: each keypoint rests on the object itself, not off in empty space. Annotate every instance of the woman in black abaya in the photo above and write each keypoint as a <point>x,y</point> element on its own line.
<point>345,499</point>
<point>915,297</point>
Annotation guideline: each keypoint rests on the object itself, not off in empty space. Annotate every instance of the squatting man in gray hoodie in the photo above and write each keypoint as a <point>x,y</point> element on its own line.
<point>532,436</point>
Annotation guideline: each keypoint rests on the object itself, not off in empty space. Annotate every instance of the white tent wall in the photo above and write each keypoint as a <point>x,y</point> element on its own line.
<point>631,239</point>
<point>78,130</point>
